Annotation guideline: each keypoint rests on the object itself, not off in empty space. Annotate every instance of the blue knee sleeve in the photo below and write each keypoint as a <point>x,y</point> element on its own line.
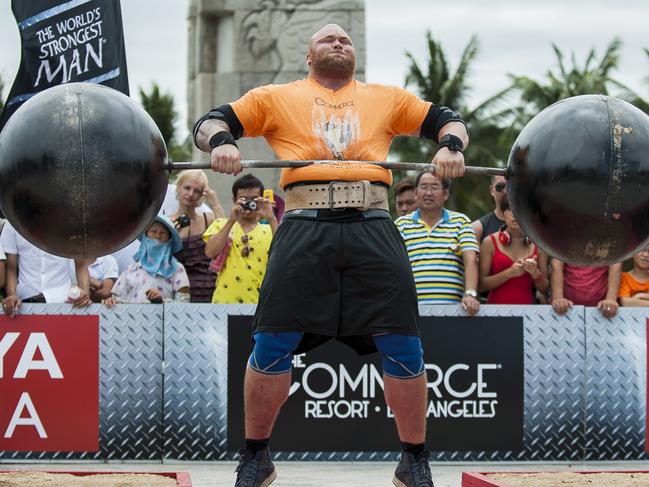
<point>273,352</point>
<point>403,357</point>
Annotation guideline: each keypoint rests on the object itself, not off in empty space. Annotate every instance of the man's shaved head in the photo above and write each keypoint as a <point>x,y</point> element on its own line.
<point>331,54</point>
<point>326,30</point>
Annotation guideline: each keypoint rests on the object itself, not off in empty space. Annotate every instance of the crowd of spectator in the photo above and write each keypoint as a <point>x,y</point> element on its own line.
<point>456,261</point>
<point>189,253</point>
<point>192,252</point>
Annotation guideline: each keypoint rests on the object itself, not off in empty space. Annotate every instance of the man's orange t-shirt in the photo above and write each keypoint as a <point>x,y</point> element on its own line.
<point>629,286</point>
<point>304,120</point>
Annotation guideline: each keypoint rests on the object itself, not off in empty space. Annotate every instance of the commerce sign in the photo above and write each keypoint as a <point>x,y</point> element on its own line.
<point>474,370</point>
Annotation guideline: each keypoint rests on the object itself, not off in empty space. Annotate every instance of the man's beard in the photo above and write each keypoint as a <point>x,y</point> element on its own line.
<point>335,67</point>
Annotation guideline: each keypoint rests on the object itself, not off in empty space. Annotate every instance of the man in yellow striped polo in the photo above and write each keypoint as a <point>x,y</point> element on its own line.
<point>442,247</point>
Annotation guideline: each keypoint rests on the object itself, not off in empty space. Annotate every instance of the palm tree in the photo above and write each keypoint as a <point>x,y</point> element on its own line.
<point>161,108</point>
<point>593,77</point>
<point>490,143</point>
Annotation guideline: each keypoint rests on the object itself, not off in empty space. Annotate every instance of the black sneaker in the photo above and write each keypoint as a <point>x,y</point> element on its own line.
<point>413,471</point>
<point>255,470</point>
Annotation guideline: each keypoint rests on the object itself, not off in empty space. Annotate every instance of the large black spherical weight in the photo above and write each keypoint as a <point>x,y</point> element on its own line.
<point>579,179</point>
<point>82,170</point>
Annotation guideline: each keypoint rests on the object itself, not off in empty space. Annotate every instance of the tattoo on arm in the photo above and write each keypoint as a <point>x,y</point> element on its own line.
<point>206,130</point>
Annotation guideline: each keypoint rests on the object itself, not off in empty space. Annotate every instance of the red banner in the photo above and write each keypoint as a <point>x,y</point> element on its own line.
<point>49,383</point>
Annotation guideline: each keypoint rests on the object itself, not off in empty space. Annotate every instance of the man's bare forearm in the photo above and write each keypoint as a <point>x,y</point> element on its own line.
<point>205,132</point>
<point>83,276</point>
<point>217,242</point>
<point>455,128</point>
<point>11,276</point>
<point>614,276</point>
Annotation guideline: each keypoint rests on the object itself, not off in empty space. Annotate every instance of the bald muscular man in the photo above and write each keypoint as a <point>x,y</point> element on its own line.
<point>338,267</point>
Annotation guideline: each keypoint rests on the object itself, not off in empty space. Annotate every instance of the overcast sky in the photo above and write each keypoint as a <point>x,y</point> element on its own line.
<point>515,37</point>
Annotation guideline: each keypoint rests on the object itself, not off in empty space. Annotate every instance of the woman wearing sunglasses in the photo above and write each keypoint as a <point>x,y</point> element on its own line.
<point>493,221</point>
<point>512,268</point>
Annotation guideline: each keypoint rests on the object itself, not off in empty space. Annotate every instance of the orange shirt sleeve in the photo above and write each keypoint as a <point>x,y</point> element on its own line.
<point>625,290</point>
<point>254,111</point>
<point>409,112</point>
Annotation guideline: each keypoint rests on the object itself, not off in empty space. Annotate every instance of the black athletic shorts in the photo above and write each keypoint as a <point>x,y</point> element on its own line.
<point>342,274</point>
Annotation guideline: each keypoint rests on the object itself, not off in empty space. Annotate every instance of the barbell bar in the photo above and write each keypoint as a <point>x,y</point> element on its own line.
<point>404,166</point>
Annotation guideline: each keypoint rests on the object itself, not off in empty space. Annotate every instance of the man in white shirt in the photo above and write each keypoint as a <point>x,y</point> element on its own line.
<point>33,275</point>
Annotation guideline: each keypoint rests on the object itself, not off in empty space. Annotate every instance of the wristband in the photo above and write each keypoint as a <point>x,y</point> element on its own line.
<point>452,143</point>
<point>222,137</point>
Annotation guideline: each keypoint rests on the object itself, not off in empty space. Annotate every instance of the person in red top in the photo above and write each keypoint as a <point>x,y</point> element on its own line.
<point>586,286</point>
<point>338,267</point>
<point>634,285</point>
<point>511,266</point>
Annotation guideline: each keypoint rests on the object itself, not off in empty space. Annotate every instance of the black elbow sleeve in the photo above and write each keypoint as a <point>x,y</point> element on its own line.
<point>226,114</point>
<point>436,118</point>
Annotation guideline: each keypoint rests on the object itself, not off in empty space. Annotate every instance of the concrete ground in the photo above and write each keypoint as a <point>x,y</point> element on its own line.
<point>321,474</point>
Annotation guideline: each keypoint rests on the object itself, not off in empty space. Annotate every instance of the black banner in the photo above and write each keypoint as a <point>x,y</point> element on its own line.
<point>475,389</point>
<point>67,41</point>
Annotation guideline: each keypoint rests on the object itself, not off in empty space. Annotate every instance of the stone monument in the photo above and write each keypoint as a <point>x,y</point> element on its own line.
<point>237,45</point>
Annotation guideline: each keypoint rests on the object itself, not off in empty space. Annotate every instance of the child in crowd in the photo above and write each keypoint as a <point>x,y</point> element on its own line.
<point>634,285</point>
<point>103,274</point>
<point>155,276</point>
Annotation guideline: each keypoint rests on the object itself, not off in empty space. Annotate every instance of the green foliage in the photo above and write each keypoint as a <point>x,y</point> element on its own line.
<point>593,77</point>
<point>2,87</point>
<point>491,135</point>
<point>161,108</point>
<point>495,123</point>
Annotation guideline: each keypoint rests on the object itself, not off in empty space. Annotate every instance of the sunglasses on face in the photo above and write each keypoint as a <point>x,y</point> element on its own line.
<point>499,187</point>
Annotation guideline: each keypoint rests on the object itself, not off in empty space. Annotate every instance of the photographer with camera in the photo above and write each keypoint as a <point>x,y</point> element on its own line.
<point>239,244</point>
<point>192,191</point>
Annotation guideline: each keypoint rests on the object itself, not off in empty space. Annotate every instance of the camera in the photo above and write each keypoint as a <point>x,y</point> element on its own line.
<point>183,221</point>
<point>250,205</point>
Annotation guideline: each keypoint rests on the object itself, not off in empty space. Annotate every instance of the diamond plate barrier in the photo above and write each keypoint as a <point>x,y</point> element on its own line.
<point>130,391</point>
<point>196,386</point>
<point>554,359</point>
<point>616,393</point>
<point>196,374</point>
<point>584,385</point>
